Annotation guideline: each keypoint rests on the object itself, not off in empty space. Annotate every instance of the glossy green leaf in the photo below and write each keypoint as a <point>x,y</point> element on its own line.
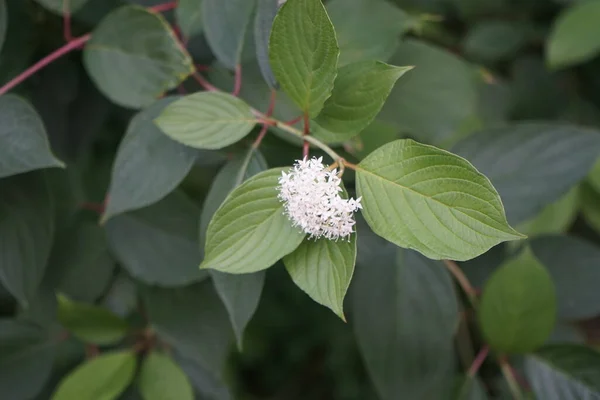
<point>23,143</point>
<point>359,93</point>
<point>26,233</point>
<point>303,51</point>
<point>129,71</point>
<point>263,22</point>
<point>26,358</point>
<point>323,269</point>
<point>381,24</point>
<point>193,320</point>
<point>57,6</point>
<point>518,305</point>
<point>575,37</point>
<point>573,265</point>
<point>432,201</point>
<point>159,244</point>
<point>250,232</point>
<point>189,17</point>
<point>521,162</point>
<point>241,292</point>
<point>149,164</point>
<point>567,371</point>
<point>161,379</point>
<point>404,314</point>
<point>104,377</point>
<point>207,120</point>
<point>430,103</point>
<point>89,323</point>
<point>226,24</point>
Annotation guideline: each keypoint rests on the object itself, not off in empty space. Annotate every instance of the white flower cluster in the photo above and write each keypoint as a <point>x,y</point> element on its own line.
<point>312,200</point>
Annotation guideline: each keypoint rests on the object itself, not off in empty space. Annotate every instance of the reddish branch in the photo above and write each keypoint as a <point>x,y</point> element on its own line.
<point>238,80</point>
<point>265,126</point>
<point>481,356</point>
<point>306,145</point>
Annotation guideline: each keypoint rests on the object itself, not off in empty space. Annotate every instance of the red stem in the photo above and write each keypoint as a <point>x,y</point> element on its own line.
<point>67,48</point>
<point>164,7</point>
<point>481,356</point>
<point>67,22</point>
<point>265,126</point>
<point>238,80</point>
<point>203,82</point>
<point>306,145</point>
<point>295,120</point>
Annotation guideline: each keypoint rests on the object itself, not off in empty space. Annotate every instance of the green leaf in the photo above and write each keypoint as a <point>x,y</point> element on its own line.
<point>104,377</point>
<point>359,93</point>
<point>594,176</point>
<point>23,143</point>
<point>161,379</point>
<point>149,164</point>
<point>189,17</point>
<point>323,269</point>
<point>404,314</point>
<point>381,24</point>
<point>26,359</point>
<point>567,371</point>
<point>205,382</point>
<point>225,25</point>
<point>57,6</point>
<point>26,233</point>
<point>432,201</point>
<point>575,36</point>
<point>239,293</point>
<point>263,22</point>
<point>573,265</point>
<point>207,120</point>
<point>250,232</point>
<point>193,320</point>
<point>126,69</point>
<point>303,51</point>
<point>518,305</point>
<point>91,324</point>
<point>3,21</point>
<point>430,103</point>
<point>471,388</point>
<point>590,206</point>
<point>493,41</point>
<point>159,244</point>
<point>521,162</point>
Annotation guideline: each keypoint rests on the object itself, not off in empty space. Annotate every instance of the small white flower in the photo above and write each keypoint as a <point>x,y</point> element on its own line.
<point>312,200</point>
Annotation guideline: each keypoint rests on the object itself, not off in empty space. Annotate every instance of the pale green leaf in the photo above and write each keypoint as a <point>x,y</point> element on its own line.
<point>23,143</point>
<point>149,165</point>
<point>91,324</point>
<point>359,93</point>
<point>303,51</point>
<point>250,232</point>
<point>161,379</point>
<point>432,201</point>
<point>104,377</point>
<point>575,37</point>
<point>189,17</point>
<point>564,371</point>
<point>134,57</point>
<point>225,26</point>
<point>323,269</point>
<point>518,305</point>
<point>207,120</point>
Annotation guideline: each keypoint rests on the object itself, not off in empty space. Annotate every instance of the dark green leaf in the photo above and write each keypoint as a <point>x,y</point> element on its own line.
<point>149,165</point>
<point>26,358</point>
<point>432,201</point>
<point>159,244</point>
<point>404,313</point>
<point>205,382</point>
<point>359,93</point>
<point>23,143</point>
<point>303,52</point>
<point>250,232</point>
<point>207,120</point>
<point>193,320</point>
<point>263,22</point>
<point>91,324</point>
<point>189,17</point>
<point>381,25</point>
<point>518,305</point>
<point>522,161</point>
<point>492,41</point>
<point>104,377</point>
<point>26,233</point>
<point>573,264</point>
<point>162,379</point>
<point>226,23</point>
<point>561,372</point>
<point>134,57</point>
<point>58,5</point>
